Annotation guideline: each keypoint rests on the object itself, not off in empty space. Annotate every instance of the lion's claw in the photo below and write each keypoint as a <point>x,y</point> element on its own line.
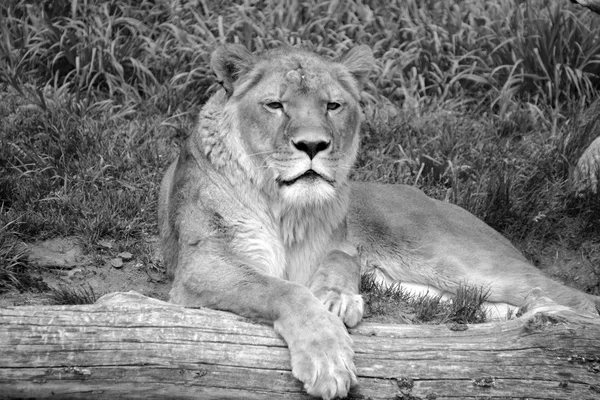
<point>349,307</point>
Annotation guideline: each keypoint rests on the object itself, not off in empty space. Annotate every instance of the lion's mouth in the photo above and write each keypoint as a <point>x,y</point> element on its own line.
<point>308,176</point>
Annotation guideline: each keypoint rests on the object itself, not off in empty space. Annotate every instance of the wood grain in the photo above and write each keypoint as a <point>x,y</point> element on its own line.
<point>131,346</point>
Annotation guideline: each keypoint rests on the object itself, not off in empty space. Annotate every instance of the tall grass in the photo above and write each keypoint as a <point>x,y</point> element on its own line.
<point>157,52</point>
<point>476,102</point>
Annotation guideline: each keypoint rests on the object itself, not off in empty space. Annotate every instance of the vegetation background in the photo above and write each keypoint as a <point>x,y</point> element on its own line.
<point>480,103</point>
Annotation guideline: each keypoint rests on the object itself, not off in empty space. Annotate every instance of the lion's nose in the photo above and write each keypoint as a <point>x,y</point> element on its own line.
<point>311,147</point>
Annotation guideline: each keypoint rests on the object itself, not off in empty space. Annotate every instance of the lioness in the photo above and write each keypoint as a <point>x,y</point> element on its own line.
<point>257,215</point>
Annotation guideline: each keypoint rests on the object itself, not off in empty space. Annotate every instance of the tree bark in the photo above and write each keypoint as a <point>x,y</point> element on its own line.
<point>593,5</point>
<point>131,346</point>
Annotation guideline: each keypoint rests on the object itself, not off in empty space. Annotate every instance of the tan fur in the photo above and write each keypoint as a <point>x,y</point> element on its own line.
<point>257,215</point>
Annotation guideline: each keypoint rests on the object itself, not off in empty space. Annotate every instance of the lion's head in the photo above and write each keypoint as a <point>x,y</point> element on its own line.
<point>296,115</point>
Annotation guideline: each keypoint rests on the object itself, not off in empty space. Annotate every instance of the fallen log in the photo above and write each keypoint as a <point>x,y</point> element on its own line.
<point>131,346</point>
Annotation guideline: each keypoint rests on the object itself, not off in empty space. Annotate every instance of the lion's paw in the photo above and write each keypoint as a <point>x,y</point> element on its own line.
<point>322,358</point>
<point>349,307</point>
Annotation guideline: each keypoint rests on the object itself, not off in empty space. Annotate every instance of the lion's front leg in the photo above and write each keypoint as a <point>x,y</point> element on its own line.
<point>336,283</point>
<point>320,347</point>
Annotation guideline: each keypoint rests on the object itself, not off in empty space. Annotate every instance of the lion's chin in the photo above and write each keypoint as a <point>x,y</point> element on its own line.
<point>306,192</point>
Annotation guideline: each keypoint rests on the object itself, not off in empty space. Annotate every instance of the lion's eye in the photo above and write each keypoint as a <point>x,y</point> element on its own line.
<point>332,106</point>
<point>274,105</point>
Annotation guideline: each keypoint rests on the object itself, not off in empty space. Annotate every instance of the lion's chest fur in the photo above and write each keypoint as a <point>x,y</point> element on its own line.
<point>309,233</point>
<point>306,243</point>
<point>287,244</point>
<point>278,241</point>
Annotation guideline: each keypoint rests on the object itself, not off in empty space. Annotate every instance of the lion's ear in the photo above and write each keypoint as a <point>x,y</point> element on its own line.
<point>359,61</point>
<point>230,61</point>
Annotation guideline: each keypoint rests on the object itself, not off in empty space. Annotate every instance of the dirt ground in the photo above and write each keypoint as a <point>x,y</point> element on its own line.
<point>63,262</point>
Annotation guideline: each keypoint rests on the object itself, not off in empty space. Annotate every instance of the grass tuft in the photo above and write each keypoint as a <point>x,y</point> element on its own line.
<point>389,304</point>
<point>466,307</point>
<point>15,273</point>
<point>393,304</point>
<point>67,295</point>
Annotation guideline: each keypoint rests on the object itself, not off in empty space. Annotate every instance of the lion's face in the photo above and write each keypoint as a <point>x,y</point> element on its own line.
<point>298,119</point>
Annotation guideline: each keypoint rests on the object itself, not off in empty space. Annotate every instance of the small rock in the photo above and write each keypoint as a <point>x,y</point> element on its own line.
<point>125,255</point>
<point>116,262</point>
<point>106,243</point>
<point>73,272</point>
